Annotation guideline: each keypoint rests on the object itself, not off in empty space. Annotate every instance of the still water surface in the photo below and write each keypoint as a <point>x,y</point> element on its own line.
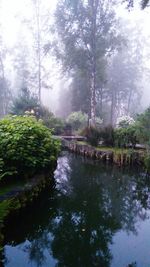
<point>97,216</point>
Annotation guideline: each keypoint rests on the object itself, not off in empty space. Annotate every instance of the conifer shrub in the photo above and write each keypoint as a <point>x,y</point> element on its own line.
<point>92,135</point>
<point>107,135</point>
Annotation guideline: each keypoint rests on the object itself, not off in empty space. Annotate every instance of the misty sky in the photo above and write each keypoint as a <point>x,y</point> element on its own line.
<point>12,12</point>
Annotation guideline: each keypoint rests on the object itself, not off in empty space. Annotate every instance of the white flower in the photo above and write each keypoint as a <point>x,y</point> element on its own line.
<point>124,121</point>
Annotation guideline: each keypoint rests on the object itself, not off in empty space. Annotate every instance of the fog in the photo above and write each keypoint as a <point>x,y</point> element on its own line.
<point>55,51</point>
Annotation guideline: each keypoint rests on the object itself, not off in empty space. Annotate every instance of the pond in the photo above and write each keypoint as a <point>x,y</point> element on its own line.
<point>96,216</point>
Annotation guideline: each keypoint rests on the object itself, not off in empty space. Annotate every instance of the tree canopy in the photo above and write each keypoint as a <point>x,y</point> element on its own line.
<point>88,34</point>
<point>143,3</point>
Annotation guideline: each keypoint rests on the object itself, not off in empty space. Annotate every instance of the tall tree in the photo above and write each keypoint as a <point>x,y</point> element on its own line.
<point>80,92</point>
<point>36,26</point>
<point>4,89</point>
<point>86,30</point>
<point>40,30</point>
<point>38,43</point>
<point>22,64</point>
<point>125,71</point>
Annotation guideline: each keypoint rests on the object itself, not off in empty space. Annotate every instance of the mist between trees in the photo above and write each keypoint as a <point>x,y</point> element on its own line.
<point>96,49</point>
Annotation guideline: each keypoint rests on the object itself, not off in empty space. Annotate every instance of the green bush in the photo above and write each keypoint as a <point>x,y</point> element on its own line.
<point>92,134</point>
<point>44,113</point>
<point>147,162</point>
<point>56,124</point>
<point>107,134</point>
<point>126,136</point>
<point>143,127</point>
<point>77,120</point>
<point>26,146</point>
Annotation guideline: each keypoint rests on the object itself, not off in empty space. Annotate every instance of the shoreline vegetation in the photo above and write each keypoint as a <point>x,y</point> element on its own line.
<point>29,151</point>
<point>19,194</point>
<point>119,156</point>
<point>28,158</point>
<point>16,196</point>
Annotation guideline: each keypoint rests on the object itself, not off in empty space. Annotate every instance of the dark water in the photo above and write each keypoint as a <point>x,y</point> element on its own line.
<point>98,216</point>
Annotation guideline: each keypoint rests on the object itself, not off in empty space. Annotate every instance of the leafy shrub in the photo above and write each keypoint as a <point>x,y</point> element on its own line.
<point>1,165</point>
<point>56,124</point>
<point>77,120</point>
<point>26,146</point>
<point>44,113</point>
<point>143,133</point>
<point>107,134</point>
<point>143,127</point>
<point>126,136</point>
<point>125,133</point>
<point>67,129</point>
<point>92,134</point>
<point>147,162</point>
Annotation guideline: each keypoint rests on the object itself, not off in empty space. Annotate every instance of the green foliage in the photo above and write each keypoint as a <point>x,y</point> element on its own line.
<point>143,134</point>
<point>26,146</point>
<point>44,113</point>
<point>143,127</point>
<point>92,134</point>
<point>56,124</point>
<point>77,120</point>
<point>81,53</point>
<point>1,164</point>
<point>28,104</point>
<point>126,136</point>
<point>107,134</point>
<point>24,102</point>
<point>147,162</point>
<point>95,134</point>
<point>4,209</point>
<point>80,91</point>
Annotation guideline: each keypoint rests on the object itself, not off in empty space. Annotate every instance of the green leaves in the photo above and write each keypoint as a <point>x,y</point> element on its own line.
<point>143,127</point>
<point>77,120</point>
<point>125,136</point>
<point>24,103</point>
<point>92,134</point>
<point>26,146</point>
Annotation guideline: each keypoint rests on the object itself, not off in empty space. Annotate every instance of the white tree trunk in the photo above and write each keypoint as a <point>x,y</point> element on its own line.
<point>92,120</point>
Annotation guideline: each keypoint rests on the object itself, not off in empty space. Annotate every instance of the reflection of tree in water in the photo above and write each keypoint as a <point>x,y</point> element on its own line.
<point>30,232</point>
<point>132,264</point>
<point>92,203</point>
<point>129,195</point>
<point>36,248</point>
<point>100,204</point>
